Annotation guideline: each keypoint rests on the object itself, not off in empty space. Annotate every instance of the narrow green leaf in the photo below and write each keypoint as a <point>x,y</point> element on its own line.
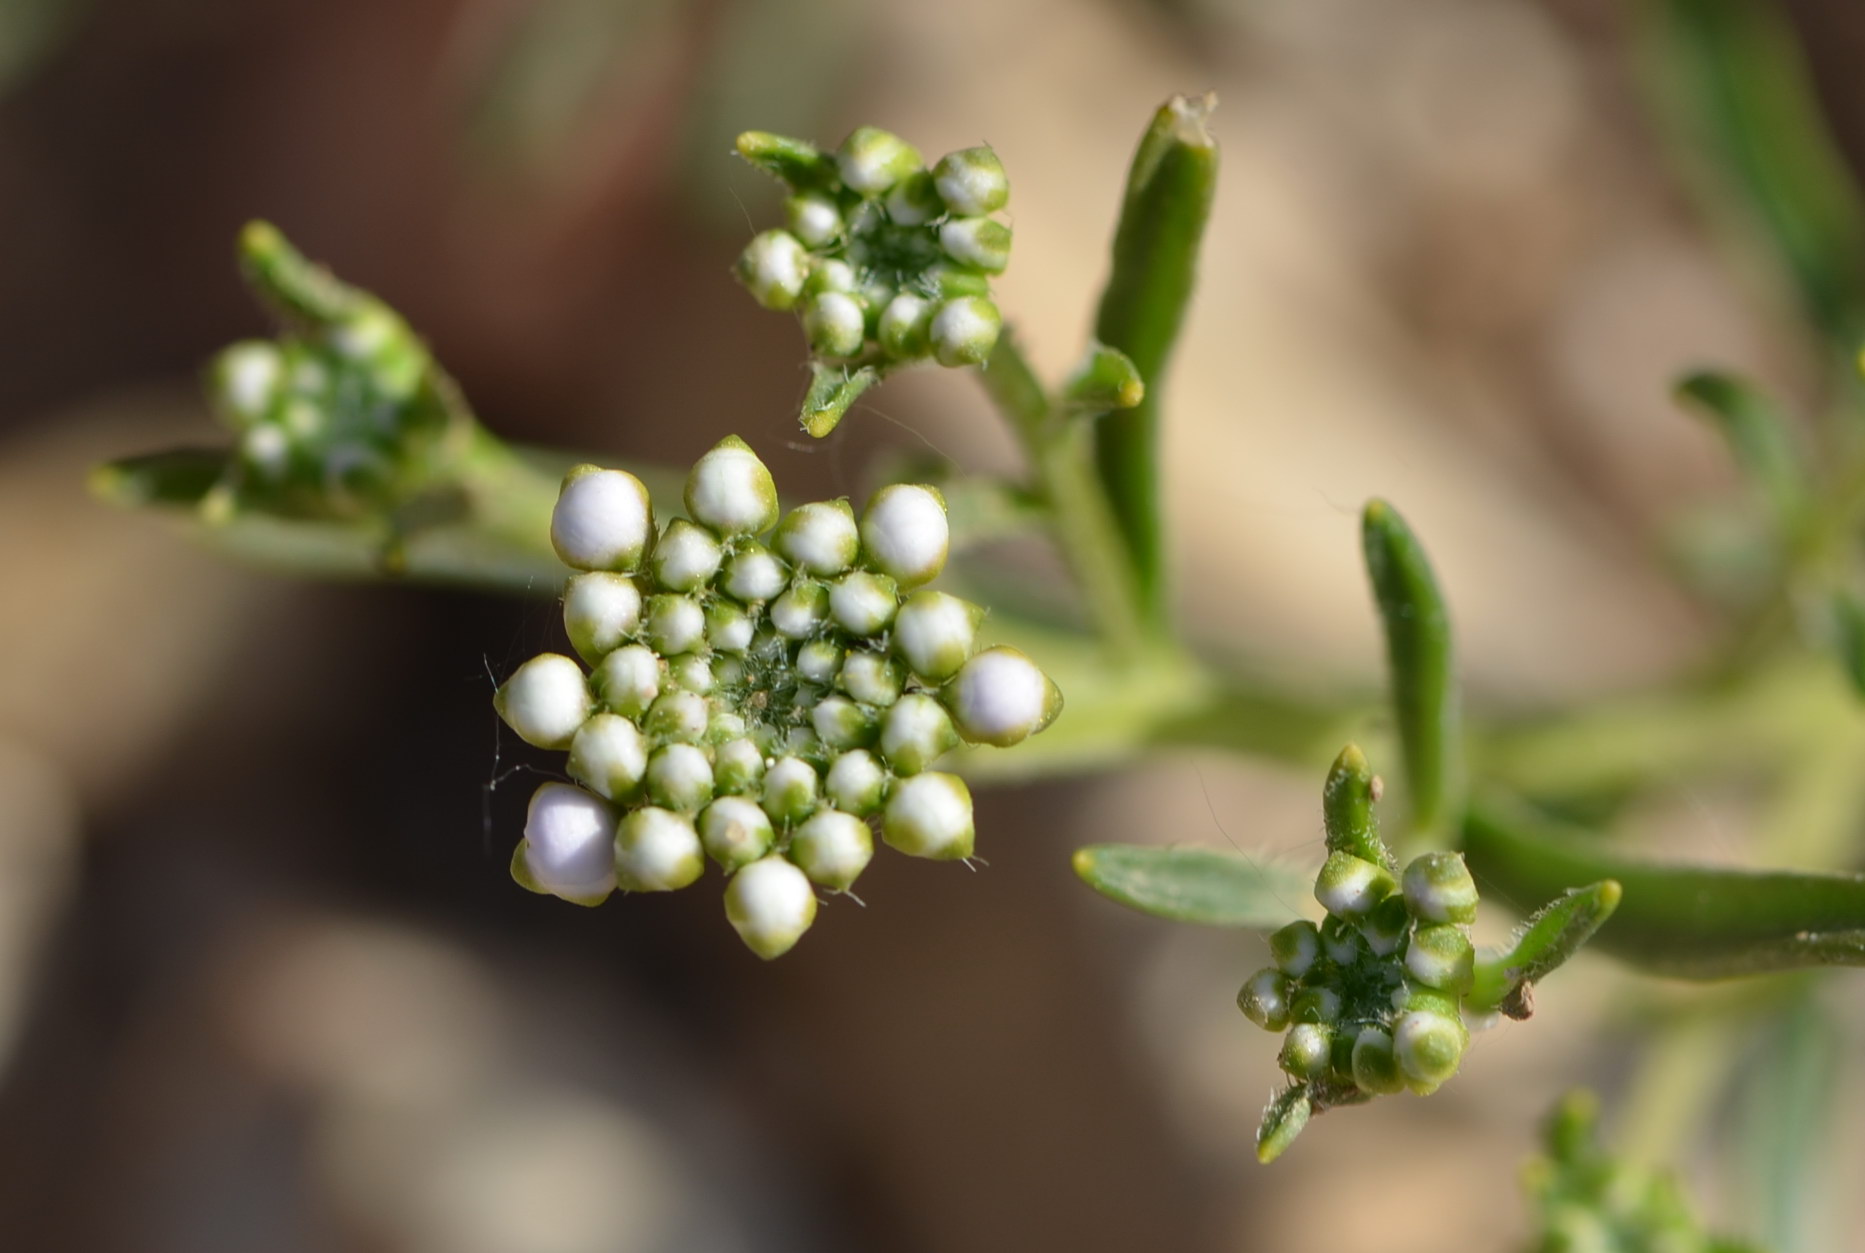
<point>178,477</point>
<point>1784,1119</point>
<point>832,389</point>
<point>1198,885</point>
<point>1162,221</point>
<point>1107,380</point>
<point>1694,922</point>
<point>1758,436</point>
<point>298,290</point>
<point>1418,651</point>
<point>1283,1120</point>
<point>1554,934</point>
<point>797,162</point>
<point>1347,800</point>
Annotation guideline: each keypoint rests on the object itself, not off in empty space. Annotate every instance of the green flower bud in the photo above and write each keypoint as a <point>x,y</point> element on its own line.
<point>863,603</point>
<point>628,680</point>
<point>691,673</point>
<point>675,624</point>
<point>735,831</point>
<point>770,904</point>
<point>679,777</point>
<point>728,628</point>
<point>773,268</point>
<point>832,274</point>
<point>789,790</point>
<point>1375,1068</point>
<point>948,279</point>
<point>753,575</point>
<point>603,520</point>
<point>972,181</point>
<point>871,678</point>
<point>1350,887</point>
<point>737,767</point>
<point>905,328</point>
<point>245,381</point>
<point>600,610</point>
<point>914,201</point>
<point>1438,887</point>
<point>904,533</point>
<point>1440,957</point>
<point>929,815</point>
<point>1386,927</point>
<point>1429,1047</point>
<point>678,716</point>
<point>724,726</point>
<point>1341,941</point>
<point>841,723</point>
<point>686,557</point>
<point>1000,697</point>
<point>1296,948</point>
<point>820,537</point>
<point>1307,1051</point>
<point>835,324</point>
<point>799,611</point>
<point>569,844</point>
<point>983,243</point>
<point>872,160</point>
<point>1316,1005</point>
<point>813,219</point>
<point>965,330</point>
<point>935,633</point>
<point>856,782</point>
<point>832,848</point>
<point>915,732</point>
<point>545,700</point>
<point>820,661</point>
<point>731,491</point>
<point>1264,999</point>
<point>657,851</point>
<point>608,756</point>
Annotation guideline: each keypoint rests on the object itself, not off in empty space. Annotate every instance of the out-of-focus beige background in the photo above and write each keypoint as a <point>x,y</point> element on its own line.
<point>264,983</point>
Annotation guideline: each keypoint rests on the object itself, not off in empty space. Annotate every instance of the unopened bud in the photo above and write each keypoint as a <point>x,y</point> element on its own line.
<point>871,678</point>
<point>813,219</point>
<point>628,680</point>
<point>855,783</point>
<point>972,181</point>
<point>609,756</point>
<point>915,732</point>
<point>1296,948</point>
<point>735,831</point>
<point>1264,999</point>
<point>832,848</point>
<point>965,330</point>
<point>983,243</point>
<point>679,778</point>
<point>1375,1068</point>
<point>915,201</point>
<point>1307,1051</point>
<point>905,329</point>
<point>675,624</point>
<point>753,575</point>
<point>872,160</point>
<point>603,520</point>
<point>770,904</point>
<point>731,490</point>
<point>1350,887</point>
<point>657,851</point>
<point>1000,697</point>
<point>1429,1046</point>
<point>929,815</point>
<point>904,533</point>
<point>773,268</point>
<point>821,537</point>
<point>863,603</point>
<point>935,632</point>
<point>835,325</point>
<point>789,790</point>
<point>545,700</point>
<point>600,610</point>
<point>1438,887</point>
<point>1440,957</point>
<point>570,843</point>
<point>686,556</point>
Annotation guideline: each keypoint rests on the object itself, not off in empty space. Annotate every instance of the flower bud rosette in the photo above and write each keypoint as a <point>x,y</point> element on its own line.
<point>765,692</point>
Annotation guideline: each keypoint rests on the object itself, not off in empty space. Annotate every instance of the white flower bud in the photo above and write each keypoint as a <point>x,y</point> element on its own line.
<point>603,520</point>
<point>905,329</point>
<point>855,783</point>
<point>680,716</point>
<point>832,848</point>
<point>904,533</point>
<point>834,324</point>
<point>675,624</point>
<point>1350,886</point>
<point>731,490</point>
<point>735,831</point>
<point>789,790</point>
<point>246,380</point>
<point>773,268</point>
<point>1321,1005</point>
<point>686,557</point>
<point>983,243</point>
<point>1385,928</point>
<point>916,732</point>
<point>820,537</point>
<point>609,756</point>
<point>753,575</point>
<point>770,904</point>
<point>1375,1068</point>
<point>832,274</point>
<point>872,678</point>
<point>863,603</point>
<point>799,611</point>
<point>972,181</point>
<point>819,661</point>
<point>692,673</point>
<point>1438,888</point>
<point>1000,697</point>
<point>813,219</point>
<point>724,725</point>
<point>679,777</point>
<point>1307,1051</point>
<point>1429,1047</point>
<point>570,843</point>
<point>934,633</point>
<point>914,200</point>
<point>267,449</point>
<point>1440,957</point>
<point>600,610</point>
<point>657,851</point>
<point>872,160</point>
<point>1264,999</point>
<point>929,815</point>
<point>841,723</point>
<point>1296,948</point>
<point>1342,942</point>
<point>545,700</point>
<point>737,766</point>
<point>628,680</point>
<point>728,628</point>
<point>965,330</point>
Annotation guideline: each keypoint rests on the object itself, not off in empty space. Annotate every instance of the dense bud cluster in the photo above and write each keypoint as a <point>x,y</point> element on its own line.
<point>1371,999</point>
<point>762,691</point>
<point>883,259</point>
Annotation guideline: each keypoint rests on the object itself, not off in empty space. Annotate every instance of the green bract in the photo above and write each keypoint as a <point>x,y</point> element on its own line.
<point>761,690</point>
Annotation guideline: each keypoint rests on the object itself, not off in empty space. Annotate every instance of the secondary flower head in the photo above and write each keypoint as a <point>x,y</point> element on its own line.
<point>762,690</point>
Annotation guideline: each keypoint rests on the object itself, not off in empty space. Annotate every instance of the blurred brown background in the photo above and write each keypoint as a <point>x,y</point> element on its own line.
<point>264,983</point>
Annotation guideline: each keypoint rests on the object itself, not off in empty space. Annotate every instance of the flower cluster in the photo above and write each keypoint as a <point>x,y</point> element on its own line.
<point>760,691</point>
<point>345,415</point>
<point>883,258</point>
<point>1371,998</point>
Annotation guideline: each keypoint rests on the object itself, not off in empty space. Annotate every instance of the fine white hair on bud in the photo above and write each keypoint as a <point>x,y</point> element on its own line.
<point>916,732</point>
<point>753,575</point>
<point>789,790</point>
<point>603,520</point>
<point>965,330</point>
<point>686,557</point>
<point>770,903</point>
<point>905,329</point>
<point>600,610</point>
<point>835,325</point>
<point>1264,999</point>
<point>863,603</point>
<point>735,831</point>
<point>871,678</point>
<point>248,376</point>
<point>929,815</point>
<point>820,537</point>
<point>935,632</point>
<point>545,700</point>
<point>679,778</point>
<point>982,243</point>
<point>872,160</point>
<point>856,782</point>
<point>570,843</point>
<point>731,490</point>
<point>832,848</point>
<point>675,624</point>
<point>1000,697</point>
<point>905,534</point>
<point>1350,886</point>
<point>773,268</point>
<point>972,181</point>
<point>609,756</point>
<point>813,219</point>
<point>629,680</point>
<point>657,850</point>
